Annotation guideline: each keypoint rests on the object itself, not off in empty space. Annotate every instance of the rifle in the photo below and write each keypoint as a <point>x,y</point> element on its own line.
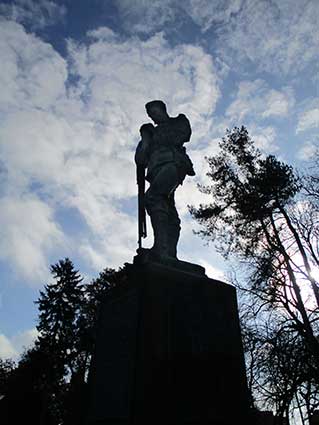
<point>140,174</point>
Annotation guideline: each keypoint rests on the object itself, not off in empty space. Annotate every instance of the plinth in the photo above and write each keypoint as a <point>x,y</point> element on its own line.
<point>168,352</point>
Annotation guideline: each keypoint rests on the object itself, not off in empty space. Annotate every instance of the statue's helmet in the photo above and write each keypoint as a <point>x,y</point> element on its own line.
<point>157,104</point>
<point>157,111</point>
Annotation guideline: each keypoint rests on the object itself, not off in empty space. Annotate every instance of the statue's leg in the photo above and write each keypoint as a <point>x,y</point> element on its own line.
<point>174,227</point>
<point>157,206</point>
<point>159,220</point>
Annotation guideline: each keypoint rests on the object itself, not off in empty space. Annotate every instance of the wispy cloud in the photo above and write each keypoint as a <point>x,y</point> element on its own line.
<point>265,138</point>
<point>28,233</point>
<point>206,13</point>
<point>308,119</point>
<point>32,74</point>
<point>279,37</point>
<point>7,350</point>
<point>256,100</point>
<point>307,150</point>
<point>37,14</point>
<point>143,16</point>
<point>14,346</point>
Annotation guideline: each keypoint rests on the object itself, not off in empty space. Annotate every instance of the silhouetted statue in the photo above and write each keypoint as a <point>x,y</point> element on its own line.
<point>162,153</point>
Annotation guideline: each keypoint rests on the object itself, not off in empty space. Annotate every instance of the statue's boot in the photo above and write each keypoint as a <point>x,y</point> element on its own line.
<point>159,220</point>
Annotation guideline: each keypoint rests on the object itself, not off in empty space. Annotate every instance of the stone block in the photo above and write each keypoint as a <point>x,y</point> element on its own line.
<point>168,352</point>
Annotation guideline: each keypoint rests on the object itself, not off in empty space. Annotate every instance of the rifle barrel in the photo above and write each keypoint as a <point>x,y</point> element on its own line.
<point>142,231</point>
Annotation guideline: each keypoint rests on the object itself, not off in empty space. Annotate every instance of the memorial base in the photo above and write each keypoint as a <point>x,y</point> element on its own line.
<point>168,352</point>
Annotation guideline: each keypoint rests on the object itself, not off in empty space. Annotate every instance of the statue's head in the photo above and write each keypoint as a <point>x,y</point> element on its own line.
<point>146,131</point>
<point>156,110</point>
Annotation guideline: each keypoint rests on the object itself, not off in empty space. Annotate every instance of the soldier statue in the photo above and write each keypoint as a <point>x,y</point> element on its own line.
<point>162,154</point>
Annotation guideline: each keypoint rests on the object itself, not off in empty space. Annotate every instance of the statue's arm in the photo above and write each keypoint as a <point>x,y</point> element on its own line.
<point>142,153</point>
<point>184,129</point>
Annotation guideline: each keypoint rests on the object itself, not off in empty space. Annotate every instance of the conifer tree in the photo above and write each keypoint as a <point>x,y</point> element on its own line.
<point>255,214</point>
<point>59,309</point>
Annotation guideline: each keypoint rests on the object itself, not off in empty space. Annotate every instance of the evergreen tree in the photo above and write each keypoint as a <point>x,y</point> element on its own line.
<point>59,338</point>
<point>59,310</point>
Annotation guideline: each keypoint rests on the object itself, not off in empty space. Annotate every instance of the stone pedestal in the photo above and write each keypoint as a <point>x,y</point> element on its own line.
<point>264,418</point>
<point>168,352</point>
<point>314,420</point>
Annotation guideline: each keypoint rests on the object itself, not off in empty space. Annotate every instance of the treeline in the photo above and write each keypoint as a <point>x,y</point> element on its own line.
<point>264,218</point>
<point>48,386</point>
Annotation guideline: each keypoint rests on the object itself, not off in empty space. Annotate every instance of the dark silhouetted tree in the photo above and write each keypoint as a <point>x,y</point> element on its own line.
<point>33,391</point>
<point>67,324</point>
<point>254,215</point>
<point>50,381</point>
<point>59,339</point>
<point>311,179</point>
<point>6,368</point>
<point>59,309</point>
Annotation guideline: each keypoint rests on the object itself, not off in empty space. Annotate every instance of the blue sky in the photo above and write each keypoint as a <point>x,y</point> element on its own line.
<point>75,76</point>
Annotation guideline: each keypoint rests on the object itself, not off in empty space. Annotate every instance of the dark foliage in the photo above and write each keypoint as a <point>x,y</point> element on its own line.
<point>50,382</point>
<point>32,392</point>
<point>6,369</point>
<point>247,190</point>
<point>257,216</point>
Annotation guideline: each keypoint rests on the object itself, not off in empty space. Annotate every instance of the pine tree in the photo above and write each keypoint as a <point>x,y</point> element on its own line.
<point>59,310</point>
<point>254,215</point>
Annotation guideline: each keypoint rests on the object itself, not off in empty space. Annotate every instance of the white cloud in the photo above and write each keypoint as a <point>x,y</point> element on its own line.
<point>308,120</point>
<point>36,13</point>
<point>213,272</point>
<point>32,74</point>
<point>307,151</point>
<point>277,36</point>
<point>28,233</point>
<point>102,33</point>
<point>187,75</point>
<point>265,138</point>
<point>7,351</point>
<point>74,147</point>
<point>256,100</point>
<point>12,348</point>
<point>143,16</point>
<point>205,13</point>
<point>278,103</point>
<point>24,340</point>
